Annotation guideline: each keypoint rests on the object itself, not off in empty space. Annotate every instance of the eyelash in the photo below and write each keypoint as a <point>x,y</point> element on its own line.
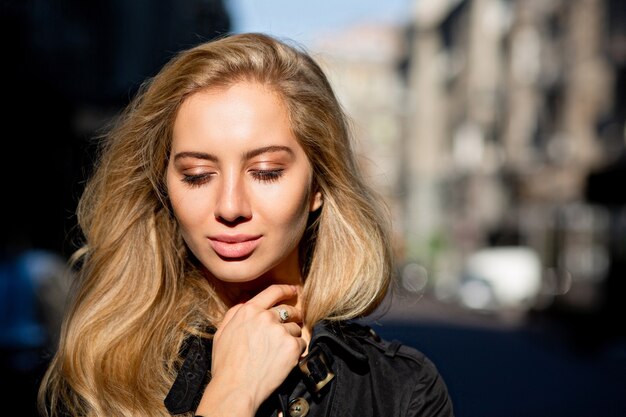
<point>261,175</point>
<point>268,175</point>
<point>196,180</point>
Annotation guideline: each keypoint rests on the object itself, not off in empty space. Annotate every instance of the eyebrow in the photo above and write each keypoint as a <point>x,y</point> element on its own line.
<point>267,149</point>
<point>196,155</point>
<point>247,155</point>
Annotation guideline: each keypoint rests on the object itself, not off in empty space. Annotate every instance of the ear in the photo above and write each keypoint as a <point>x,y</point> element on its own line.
<point>316,201</point>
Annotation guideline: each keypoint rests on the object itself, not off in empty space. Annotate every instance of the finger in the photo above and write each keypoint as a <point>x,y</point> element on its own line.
<point>303,345</point>
<point>293,329</point>
<point>293,314</point>
<point>272,295</point>
<point>229,315</point>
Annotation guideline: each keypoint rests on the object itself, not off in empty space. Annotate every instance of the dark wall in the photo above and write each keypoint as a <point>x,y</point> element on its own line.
<point>68,65</point>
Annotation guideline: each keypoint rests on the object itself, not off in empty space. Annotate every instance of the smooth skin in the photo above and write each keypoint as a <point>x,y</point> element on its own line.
<point>241,189</point>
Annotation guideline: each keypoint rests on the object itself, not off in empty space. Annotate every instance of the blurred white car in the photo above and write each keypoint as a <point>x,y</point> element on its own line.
<point>501,278</point>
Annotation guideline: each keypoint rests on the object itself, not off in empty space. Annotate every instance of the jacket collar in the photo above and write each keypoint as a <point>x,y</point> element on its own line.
<point>339,334</point>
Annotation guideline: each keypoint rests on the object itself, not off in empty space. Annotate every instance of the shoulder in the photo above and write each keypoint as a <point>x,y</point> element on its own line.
<point>387,350</point>
<point>403,367</point>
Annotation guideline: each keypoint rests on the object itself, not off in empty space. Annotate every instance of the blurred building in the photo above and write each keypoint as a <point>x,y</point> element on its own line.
<point>484,123</point>
<point>529,91</point>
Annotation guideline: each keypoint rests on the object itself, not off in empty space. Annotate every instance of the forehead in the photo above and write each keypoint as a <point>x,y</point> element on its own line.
<point>239,115</point>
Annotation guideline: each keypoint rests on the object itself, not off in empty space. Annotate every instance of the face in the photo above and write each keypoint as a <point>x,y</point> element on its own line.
<point>240,184</point>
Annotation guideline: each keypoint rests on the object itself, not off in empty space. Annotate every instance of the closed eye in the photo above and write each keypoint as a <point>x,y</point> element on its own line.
<point>267,175</point>
<point>197,179</point>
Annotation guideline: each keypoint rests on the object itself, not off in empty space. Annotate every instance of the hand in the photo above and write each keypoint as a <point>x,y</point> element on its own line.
<point>253,350</point>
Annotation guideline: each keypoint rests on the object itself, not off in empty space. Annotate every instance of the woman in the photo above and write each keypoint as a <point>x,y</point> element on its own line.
<point>230,240</point>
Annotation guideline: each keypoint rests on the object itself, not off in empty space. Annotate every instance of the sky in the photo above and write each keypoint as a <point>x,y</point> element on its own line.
<point>302,20</point>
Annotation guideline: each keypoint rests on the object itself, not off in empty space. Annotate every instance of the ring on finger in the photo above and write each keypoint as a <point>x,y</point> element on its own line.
<point>283,315</point>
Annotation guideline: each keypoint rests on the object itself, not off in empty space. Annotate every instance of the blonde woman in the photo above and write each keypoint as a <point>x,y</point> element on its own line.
<point>229,243</point>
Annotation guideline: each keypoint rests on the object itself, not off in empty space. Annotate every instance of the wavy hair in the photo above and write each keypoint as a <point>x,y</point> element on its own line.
<point>137,294</point>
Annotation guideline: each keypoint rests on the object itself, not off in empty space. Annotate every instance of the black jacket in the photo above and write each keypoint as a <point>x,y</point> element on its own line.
<point>349,371</point>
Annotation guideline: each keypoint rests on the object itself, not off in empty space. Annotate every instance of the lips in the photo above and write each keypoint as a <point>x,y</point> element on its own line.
<point>234,246</point>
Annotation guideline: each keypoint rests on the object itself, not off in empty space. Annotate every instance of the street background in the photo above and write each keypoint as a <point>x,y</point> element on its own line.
<point>494,129</point>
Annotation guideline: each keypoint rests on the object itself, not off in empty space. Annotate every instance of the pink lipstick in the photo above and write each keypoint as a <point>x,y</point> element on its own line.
<point>234,246</point>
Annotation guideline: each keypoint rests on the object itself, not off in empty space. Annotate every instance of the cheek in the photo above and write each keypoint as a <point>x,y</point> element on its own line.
<point>189,207</point>
<point>188,211</point>
<point>287,207</point>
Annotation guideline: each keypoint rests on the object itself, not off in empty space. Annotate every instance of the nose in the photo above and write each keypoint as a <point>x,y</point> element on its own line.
<point>233,205</point>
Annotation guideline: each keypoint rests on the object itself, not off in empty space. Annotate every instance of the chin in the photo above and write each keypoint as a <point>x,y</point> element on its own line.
<point>264,271</point>
<point>234,275</point>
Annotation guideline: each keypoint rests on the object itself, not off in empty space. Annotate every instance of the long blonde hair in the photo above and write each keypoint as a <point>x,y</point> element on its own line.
<point>137,295</point>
